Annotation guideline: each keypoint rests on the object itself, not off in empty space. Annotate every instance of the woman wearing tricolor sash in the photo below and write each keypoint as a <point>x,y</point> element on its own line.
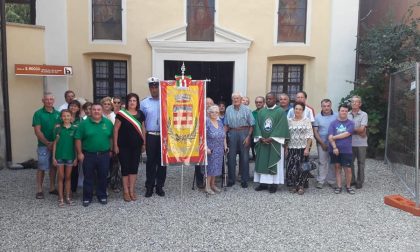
<point>129,143</point>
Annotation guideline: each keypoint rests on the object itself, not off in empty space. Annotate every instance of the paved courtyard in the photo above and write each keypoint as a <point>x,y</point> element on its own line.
<point>235,220</point>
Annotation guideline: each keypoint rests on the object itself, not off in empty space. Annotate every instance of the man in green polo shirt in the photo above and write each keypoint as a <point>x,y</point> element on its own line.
<point>94,149</point>
<point>43,122</point>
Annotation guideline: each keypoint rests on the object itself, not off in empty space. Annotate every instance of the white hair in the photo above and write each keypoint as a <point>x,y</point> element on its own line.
<point>213,108</point>
<point>236,94</point>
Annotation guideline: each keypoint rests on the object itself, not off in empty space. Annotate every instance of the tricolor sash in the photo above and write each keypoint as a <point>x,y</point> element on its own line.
<point>131,119</point>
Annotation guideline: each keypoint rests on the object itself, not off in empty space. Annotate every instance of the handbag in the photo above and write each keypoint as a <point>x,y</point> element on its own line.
<point>308,166</point>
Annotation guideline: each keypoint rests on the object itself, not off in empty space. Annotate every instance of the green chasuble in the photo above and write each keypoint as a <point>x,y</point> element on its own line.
<point>271,123</point>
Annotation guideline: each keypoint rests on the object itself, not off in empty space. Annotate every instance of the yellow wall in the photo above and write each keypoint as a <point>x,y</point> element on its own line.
<point>252,19</point>
<point>256,21</point>
<point>25,45</point>
<point>144,18</point>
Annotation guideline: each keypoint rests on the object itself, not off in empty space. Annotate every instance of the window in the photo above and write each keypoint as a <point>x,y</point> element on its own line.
<point>200,20</point>
<point>292,21</point>
<point>287,79</point>
<point>20,11</point>
<point>109,79</point>
<point>106,19</point>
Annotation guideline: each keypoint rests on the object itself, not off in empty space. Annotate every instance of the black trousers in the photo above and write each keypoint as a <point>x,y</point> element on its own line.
<point>199,177</point>
<point>155,172</point>
<point>74,178</point>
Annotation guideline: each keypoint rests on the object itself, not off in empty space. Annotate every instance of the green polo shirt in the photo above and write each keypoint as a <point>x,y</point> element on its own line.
<point>64,149</point>
<point>95,136</point>
<point>47,121</point>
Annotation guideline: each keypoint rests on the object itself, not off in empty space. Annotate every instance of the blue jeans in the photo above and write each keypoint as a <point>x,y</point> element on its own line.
<point>236,140</point>
<point>95,164</point>
<point>44,158</point>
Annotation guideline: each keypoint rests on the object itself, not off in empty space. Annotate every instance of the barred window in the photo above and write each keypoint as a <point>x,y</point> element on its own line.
<point>106,19</point>
<point>287,79</point>
<point>292,21</point>
<point>109,79</point>
<point>200,20</point>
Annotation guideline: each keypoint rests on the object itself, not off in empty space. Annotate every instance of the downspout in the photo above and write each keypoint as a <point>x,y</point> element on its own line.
<point>356,72</point>
<point>4,83</point>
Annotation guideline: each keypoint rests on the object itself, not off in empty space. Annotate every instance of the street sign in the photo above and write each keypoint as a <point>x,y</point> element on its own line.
<point>43,70</point>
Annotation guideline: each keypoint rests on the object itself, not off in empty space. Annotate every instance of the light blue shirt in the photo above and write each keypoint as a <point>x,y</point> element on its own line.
<point>239,118</point>
<point>322,122</point>
<point>151,110</point>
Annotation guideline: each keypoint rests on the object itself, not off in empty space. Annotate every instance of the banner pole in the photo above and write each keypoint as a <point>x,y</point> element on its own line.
<point>182,180</point>
<point>417,128</point>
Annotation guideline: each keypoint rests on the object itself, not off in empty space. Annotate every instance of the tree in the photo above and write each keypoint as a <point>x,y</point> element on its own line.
<point>384,49</point>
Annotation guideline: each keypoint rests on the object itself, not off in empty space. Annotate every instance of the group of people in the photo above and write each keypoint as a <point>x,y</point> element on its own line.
<point>100,144</point>
<point>283,135</point>
<point>104,141</point>
<point>280,136</point>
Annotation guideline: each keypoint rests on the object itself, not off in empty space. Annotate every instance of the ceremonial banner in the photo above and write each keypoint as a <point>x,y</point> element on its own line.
<point>182,107</point>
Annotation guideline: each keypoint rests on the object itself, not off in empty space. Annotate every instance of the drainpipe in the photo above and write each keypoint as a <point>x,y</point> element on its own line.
<point>356,72</point>
<point>4,85</point>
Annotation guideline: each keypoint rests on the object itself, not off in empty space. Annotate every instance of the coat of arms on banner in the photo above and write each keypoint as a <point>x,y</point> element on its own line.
<point>183,120</point>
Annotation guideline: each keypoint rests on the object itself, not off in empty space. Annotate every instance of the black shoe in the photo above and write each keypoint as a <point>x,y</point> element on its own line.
<point>261,187</point>
<point>244,185</point>
<point>230,184</point>
<point>160,191</point>
<point>273,189</point>
<point>54,192</point>
<point>306,185</point>
<point>149,192</point>
<point>103,201</point>
<point>86,203</point>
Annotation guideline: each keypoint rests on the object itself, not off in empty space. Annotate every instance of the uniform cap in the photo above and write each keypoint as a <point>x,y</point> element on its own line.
<point>153,81</point>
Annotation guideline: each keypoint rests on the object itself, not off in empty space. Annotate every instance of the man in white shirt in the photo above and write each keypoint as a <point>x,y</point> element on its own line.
<point>309,112</point>
<point>68,96</point>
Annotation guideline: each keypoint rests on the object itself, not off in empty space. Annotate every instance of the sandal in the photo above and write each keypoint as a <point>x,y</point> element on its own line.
<point>39,195</point>
<point>70,202</point>
<point>126,197</point>
<point>61,203</point>
<point>338,190</point>
<point>350,190</point>
<point>133,196</point>
<point>301,191</point>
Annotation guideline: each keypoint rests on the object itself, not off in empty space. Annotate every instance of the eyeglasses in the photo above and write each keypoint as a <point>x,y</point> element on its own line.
<point>117,102</point>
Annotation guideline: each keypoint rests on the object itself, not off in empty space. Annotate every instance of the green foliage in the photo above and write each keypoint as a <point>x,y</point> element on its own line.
<point>18,13</point>
<point>384,49</point>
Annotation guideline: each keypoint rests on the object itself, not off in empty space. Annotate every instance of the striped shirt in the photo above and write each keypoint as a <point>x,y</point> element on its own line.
<point>239,118</point>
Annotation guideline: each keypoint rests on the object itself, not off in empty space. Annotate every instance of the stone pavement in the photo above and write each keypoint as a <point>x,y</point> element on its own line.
<point>235,220</point>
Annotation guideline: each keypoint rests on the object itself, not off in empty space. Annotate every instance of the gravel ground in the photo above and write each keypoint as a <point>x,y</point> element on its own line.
<point>235,220</point>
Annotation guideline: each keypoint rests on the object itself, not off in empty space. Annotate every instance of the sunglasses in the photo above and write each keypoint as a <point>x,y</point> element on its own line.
<point>117,102</point>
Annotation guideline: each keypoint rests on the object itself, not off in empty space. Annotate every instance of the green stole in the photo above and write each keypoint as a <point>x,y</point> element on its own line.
<point>131,119</point>
<point>270,123</point>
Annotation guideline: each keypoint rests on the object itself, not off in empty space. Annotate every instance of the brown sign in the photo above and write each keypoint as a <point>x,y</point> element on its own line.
<point>43,70</point>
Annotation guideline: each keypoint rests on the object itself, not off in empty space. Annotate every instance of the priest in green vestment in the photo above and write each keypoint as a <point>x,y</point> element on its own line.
<point>271,131</point>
